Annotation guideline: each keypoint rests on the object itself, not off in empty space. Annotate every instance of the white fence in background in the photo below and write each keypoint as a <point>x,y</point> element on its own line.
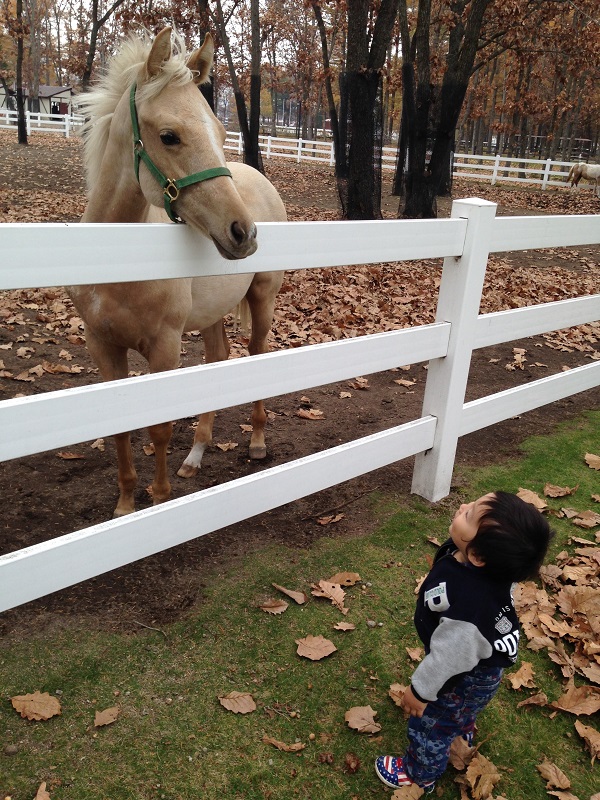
<point>65,124</point>
<point>75,254</point>
<point>492,169</point>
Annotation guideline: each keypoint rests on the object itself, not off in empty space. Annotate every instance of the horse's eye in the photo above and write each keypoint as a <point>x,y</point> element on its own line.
<point>169,138</point>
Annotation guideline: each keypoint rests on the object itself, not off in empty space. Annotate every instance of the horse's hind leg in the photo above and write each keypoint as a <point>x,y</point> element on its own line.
<point>261,299</point>
<point>216,348</point>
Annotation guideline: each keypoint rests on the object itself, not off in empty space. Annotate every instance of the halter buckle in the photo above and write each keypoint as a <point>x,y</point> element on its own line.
<point>171,190</point>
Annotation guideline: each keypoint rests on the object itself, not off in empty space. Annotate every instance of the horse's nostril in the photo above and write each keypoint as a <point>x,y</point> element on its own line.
<point>238,232</point>
<point>241,235</point>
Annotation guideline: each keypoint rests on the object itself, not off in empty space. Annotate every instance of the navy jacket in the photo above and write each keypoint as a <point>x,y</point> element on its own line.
<point>464,620</point>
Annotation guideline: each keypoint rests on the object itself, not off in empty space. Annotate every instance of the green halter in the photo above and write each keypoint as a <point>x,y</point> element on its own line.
<point>169,186</point>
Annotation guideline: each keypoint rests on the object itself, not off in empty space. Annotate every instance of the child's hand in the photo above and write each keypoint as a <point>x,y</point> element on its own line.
<point>410,703</point>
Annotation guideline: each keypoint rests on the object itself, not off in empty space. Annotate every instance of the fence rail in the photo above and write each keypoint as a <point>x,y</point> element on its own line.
<point>76,254</point>
<point>492,169</point>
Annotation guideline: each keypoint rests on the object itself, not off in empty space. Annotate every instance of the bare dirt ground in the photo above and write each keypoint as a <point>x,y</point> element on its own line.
<point>42,349</point>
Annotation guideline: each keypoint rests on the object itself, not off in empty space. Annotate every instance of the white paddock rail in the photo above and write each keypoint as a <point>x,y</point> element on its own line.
<point>90,253</point>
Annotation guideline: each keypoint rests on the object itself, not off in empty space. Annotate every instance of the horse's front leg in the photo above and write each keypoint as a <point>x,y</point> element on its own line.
<point>216,348</point>
<point>261,299</point>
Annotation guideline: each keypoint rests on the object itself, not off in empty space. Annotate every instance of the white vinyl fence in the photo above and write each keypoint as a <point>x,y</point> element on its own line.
<point>35,255</point>
<point>492,169</point>
<point>64,124</point>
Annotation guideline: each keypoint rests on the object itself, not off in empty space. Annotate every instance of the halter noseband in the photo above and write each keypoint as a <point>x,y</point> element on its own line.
<point>169,186</point>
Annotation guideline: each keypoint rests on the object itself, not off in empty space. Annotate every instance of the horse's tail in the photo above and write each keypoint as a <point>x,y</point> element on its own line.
<point>571,177</point>
<point>243,319</point>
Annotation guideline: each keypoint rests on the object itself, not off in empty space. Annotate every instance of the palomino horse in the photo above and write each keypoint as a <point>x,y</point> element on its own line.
<point>590,172</point>
<point>147,119</point>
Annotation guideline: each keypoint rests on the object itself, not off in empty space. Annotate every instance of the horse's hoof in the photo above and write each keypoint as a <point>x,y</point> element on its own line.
<point>258,453</point>
<point>122,512</point>
<point>187,471</point>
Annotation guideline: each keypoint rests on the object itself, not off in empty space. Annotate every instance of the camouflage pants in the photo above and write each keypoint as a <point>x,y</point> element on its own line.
<point>452,714</point>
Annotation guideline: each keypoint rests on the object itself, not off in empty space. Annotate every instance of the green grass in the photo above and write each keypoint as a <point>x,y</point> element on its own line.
<point>173,739</point>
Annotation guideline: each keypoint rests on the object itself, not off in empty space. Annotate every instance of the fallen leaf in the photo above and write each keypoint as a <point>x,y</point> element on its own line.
<point>106,717</point>
<point>359,383</point>
<point>69,456</point>
<point>41,793</point>
<point>396,692</point>
<point>287,748</point>
<point>330,591</point>
<point>591,737</point>
<point>299,597</point>
<point>412,792</point>
<point>461,753</point>
<point>274,606</point>
<point>539,699</point>
<point>148,449</point>
<point>345,578</point>
<point>351,763</point>
<point>315,647</point>
<point>36,706</point>
<point>532,498</point>
<point>556,778</point>
<point>586,519</point>
<point>98,445</point>
<point>332,518</point>
<point>592,461</point>
<point>344,626</point>
<point>310,413</point>
<point>559,491</point>
<point>523,677</point>
<point>415,653</point>
<point>579,700</point>
<point>226,446</point>
<point>238,702</point>
<point>362,719</point>
<point>482,776</point>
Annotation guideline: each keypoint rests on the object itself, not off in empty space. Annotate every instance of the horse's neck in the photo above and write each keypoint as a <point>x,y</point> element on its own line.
<point>116,197</point>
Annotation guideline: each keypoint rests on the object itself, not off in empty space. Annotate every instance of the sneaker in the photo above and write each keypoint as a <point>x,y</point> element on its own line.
<point>390,770</point>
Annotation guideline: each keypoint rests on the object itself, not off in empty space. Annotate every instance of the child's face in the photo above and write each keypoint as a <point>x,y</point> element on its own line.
<point>465,525</point>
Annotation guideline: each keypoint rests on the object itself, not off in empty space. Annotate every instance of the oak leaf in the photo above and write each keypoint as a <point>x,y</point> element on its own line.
<point>36,706</point>
<point>315,647</point>
<point>106,717</point>
<point>523,677</point>
<point>299,597</point>
<point>274,606</point>
<point>482,776</point>
<point>362,719</point>
<point>238,702</point>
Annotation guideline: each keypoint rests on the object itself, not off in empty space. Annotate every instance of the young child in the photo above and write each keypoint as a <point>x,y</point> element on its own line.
<point>467,622</point>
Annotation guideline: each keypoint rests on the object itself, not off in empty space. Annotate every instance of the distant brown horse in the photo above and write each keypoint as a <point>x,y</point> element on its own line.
<point>148,120</point>
<point>590,172</point>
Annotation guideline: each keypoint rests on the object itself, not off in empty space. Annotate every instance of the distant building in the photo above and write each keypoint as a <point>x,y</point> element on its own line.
<point>51,100</point>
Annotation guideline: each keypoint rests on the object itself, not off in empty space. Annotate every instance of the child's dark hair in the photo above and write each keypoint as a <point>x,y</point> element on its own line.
<point>512,538</point>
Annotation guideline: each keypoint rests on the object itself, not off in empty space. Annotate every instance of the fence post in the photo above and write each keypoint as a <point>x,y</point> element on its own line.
<point>299,156</point>
<point>67,126</point>
<point>332,156</point>
<point>28,122</point>
<point>546,173</point>
<point>268,147</point>
<point>496,168</point>
<point>240,144</point>
<point>459,300</point>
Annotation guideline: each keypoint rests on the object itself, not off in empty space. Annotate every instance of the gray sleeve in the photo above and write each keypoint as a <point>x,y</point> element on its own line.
<point>456,646</point>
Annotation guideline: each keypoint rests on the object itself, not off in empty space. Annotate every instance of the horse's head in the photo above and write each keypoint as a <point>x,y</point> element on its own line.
<point>178,144</point>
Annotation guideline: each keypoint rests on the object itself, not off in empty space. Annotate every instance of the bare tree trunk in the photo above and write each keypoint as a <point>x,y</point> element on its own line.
<point>21,123</point>
<point>97,23</point>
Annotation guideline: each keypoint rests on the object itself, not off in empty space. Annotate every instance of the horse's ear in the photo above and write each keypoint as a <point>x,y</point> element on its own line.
<point>201,60</point>
<point>160,52</point>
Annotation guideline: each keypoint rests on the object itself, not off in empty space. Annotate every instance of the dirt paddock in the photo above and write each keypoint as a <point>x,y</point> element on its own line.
<point>42,349</point>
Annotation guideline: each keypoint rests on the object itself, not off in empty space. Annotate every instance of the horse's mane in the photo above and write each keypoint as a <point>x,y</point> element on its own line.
<point>124,68</point>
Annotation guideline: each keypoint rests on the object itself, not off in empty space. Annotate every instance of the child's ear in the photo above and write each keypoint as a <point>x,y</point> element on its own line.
<point>474,559</point>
